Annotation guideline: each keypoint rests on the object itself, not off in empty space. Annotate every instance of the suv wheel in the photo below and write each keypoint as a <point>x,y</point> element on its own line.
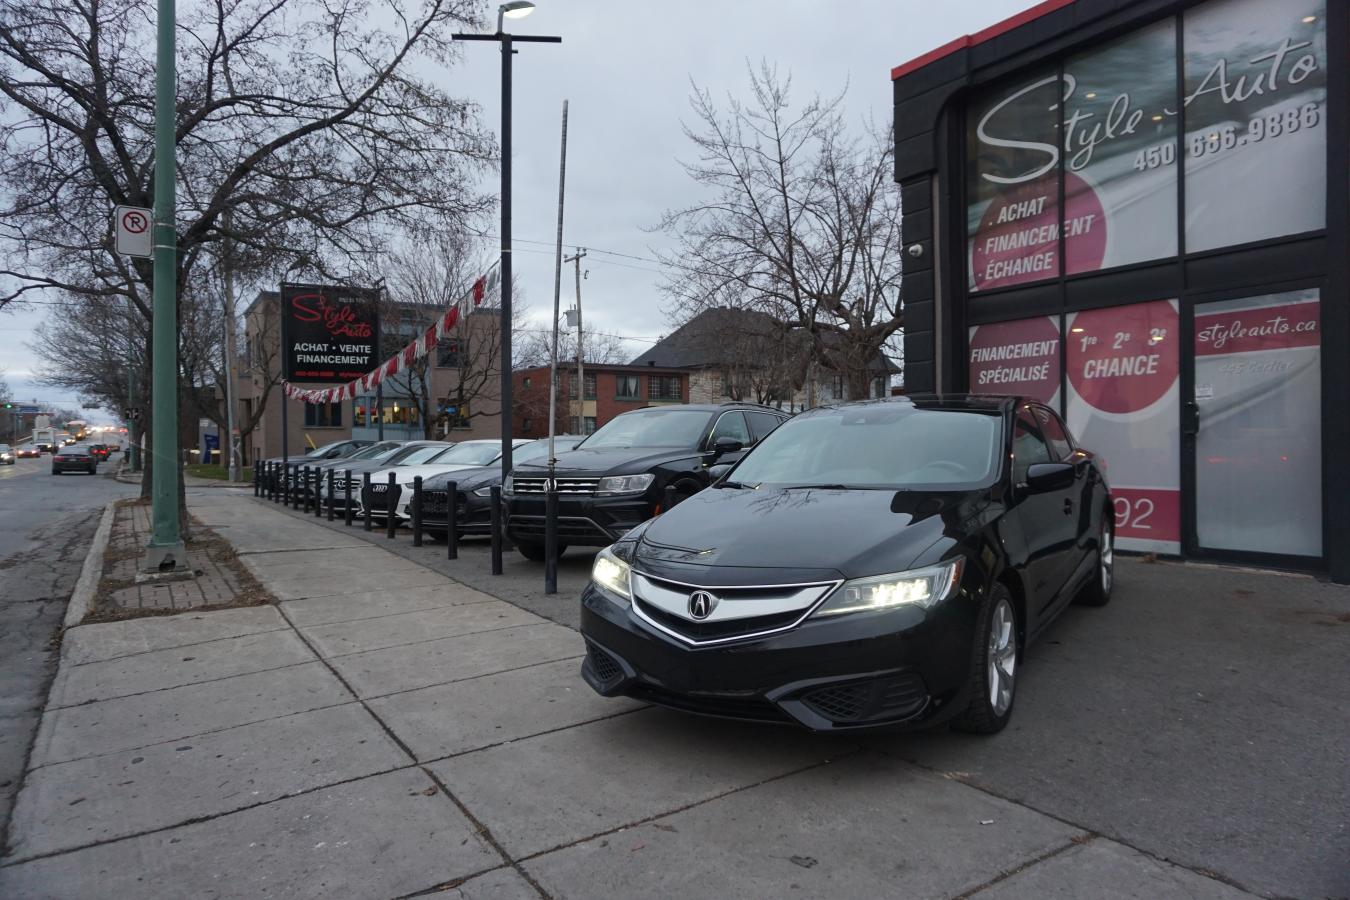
<point>535,552</point>
<point>1097,592</point>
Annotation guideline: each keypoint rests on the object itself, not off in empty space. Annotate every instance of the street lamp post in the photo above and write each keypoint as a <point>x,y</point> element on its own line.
<point>516,9</point>
<point>165,551</point>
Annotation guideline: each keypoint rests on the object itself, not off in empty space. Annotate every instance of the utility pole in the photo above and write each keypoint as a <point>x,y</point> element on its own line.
<point>165,552</point>
<point>581,355</point>
<point>230,448</point>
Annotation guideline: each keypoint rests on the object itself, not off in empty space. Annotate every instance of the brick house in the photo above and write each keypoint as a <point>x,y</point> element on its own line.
<point>610,390</point>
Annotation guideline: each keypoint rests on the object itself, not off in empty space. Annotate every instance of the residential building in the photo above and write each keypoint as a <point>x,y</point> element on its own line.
<point>609,390</point>
<point>736,354</point>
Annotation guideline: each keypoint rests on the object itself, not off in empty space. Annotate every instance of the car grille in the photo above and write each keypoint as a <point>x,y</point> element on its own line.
<point>573,486</point>
<point>728,706</point>
<point>570,528</point>
<point>605,667</point>
<point>378,499</point>
<point>893,697</point>
<point>780,607</point>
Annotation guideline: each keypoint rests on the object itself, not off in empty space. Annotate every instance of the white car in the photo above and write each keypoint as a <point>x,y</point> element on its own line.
<point>464,455</point>
<point>6,455</point>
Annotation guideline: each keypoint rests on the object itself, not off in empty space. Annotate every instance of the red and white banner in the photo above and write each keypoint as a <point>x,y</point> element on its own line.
<point>419,347</point>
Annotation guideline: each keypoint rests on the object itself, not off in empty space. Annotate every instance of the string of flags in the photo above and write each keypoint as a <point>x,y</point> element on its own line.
<point>417,348</point>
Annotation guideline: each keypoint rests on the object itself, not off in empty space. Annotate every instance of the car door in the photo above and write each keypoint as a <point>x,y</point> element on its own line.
<point>1042,517</point>
<point>1077,521</point>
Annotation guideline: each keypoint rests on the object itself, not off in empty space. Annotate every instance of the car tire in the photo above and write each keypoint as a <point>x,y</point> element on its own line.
<point>535,552</point>
<point>992,684</point>
<point>1097,592</point>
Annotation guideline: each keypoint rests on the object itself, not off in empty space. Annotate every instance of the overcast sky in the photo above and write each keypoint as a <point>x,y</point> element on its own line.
<point>626,67</point>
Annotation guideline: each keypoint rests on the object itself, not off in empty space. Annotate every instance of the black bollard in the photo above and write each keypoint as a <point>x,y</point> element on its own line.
<point>416,510</point>
<point>332,492</point>
<point>551,539</point>
<point>495,496</point>
<point>347,500</point>
<point>366,499</point>
<point>668,498</point>
<point>452,522</point>
<point>389,521</point>
<point>256,482</point>
<point>302,490</point>
<point>318,493</point>
<point>285,484</point>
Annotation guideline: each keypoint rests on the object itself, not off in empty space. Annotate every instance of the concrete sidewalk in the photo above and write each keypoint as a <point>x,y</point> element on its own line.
<point>385,731</point>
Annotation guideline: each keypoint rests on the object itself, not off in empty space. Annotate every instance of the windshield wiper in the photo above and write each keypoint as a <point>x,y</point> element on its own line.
<point>822,487</point>
<point>737,486</point>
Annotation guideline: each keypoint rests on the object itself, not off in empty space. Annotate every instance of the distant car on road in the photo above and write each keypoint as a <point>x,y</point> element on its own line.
<point>74,458</point>
<point>6,454</point>
<point>28,451</point>
<point>872,564</point>
<point>100,451</point>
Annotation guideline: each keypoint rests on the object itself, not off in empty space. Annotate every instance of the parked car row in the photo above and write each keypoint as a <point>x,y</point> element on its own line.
<point>881,564</point>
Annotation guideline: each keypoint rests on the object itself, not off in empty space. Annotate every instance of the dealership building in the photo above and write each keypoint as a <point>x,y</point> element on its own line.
<point>1136,211</point>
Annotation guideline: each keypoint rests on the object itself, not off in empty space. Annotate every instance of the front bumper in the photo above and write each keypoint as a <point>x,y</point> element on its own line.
<point>889,670</point>
<point>582,521</point>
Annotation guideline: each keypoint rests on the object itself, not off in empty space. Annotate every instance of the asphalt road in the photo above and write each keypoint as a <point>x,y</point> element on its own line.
<point>46,524</point>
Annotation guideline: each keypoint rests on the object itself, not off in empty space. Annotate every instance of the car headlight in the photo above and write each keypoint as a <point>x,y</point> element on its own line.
<point>624,484</point>
<point>508,486</point>
<point>612,573</point>
<point>918,587</point>
<point>483,491</point>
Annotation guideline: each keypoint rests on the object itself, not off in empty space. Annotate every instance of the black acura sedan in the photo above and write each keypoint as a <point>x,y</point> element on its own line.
<point>875,564</point>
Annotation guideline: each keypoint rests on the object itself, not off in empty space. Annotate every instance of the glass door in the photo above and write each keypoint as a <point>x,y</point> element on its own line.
<point>1255,416</point>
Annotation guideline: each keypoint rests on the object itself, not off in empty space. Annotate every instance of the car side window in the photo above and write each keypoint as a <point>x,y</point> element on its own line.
<point>731,425</point>
<point>1029,448</point>
<point>1061,447</point>
<point>761,423</point>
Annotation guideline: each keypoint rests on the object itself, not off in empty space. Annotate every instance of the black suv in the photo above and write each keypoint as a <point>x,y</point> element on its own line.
<point>617,477</point>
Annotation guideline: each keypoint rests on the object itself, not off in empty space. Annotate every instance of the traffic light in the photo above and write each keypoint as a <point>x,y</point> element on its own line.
<point>9,406</point>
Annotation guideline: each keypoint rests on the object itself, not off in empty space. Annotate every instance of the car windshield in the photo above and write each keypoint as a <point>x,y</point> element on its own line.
<point>539,449</point>
<point>471,453</point>
<point>672,427</point>
<point>377,451</point>
<point>882,446</point>
<point>319,452</point>
<point>421,455</point>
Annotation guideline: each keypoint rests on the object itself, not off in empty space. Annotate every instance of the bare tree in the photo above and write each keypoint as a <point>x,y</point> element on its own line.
<point>304,131</point>
<point>534,347</point>
<point>801,223</point>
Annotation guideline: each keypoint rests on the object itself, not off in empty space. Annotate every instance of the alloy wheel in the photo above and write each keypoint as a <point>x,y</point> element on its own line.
<point>1002,661</point>
<point>1106,556</point>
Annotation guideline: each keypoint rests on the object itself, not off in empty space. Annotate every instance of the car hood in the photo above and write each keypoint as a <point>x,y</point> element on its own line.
<point>603,462</point>
<point>405,474</point>
<point>467,479</point>
<point>808,532</point>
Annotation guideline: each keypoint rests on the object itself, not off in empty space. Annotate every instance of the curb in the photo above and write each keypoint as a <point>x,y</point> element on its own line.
<point>92,572</point>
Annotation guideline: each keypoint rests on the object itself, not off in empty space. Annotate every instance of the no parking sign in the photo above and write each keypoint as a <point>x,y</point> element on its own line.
<point>132,225</point>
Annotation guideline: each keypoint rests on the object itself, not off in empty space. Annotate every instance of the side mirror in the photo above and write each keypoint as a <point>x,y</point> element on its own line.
<point>725,445</point>
<point>1043,477</point>
<point>715,473</point>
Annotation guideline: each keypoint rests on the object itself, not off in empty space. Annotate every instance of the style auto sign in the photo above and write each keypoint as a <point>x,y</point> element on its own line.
<point>1117,144</point>
<point>328,333</point>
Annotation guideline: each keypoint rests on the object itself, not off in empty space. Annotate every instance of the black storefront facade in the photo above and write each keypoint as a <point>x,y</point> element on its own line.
<point>1136,211</point>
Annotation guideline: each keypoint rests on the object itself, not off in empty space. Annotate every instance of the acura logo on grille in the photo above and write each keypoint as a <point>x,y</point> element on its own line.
<point>702,604</point>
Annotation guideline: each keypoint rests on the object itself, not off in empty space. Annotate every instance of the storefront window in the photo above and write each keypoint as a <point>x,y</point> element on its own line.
<point>1120,144</point>
<point>1256,134</point>
<point>1020,357</point>
<point>1258,452</point>
<point>1123,365</point>
<point>323,415</point>
<point>1013,183</point>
